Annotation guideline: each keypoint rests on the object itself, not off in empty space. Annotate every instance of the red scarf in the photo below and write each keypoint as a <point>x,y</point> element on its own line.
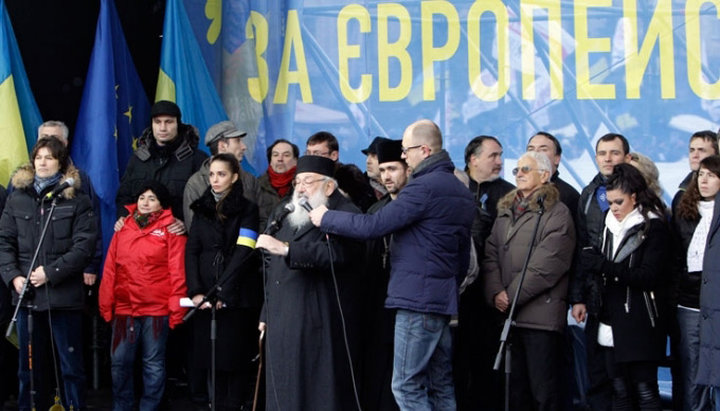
<point>281,182</point>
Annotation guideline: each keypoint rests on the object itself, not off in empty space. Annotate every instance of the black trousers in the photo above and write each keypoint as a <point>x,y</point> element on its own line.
<point>535,382</point>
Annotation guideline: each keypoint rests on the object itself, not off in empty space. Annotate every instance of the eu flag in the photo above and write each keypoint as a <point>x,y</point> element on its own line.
<point>114,111</point>
<point>19,115</point>
<point>184,78</point>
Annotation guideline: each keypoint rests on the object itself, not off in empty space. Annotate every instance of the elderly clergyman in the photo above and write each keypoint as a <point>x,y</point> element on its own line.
<point>308,274</point>
<point>537,333</point>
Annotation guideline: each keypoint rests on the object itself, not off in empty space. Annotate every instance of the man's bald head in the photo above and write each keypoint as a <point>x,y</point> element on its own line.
<point>425,132</point>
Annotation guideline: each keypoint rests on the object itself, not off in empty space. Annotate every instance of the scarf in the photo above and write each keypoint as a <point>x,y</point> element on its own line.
<point>218,196</point>
<point>619,229</point>
<point>696,249</point>
<point>519,205</point>
<point>144,220</point>
<point>41,183</point>
<point>281,182</point>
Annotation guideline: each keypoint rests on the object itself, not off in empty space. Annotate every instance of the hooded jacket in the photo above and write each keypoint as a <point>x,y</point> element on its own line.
<point>68,247</point>
<point>172,165</point>
<point>144,271</point>
<point>542,302</point>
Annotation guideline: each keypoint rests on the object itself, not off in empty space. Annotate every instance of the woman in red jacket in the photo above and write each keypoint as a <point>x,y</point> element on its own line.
<point>143,281</point>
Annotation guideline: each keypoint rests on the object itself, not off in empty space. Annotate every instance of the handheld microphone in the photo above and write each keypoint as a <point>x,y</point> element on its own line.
<point>275,225</point>
<point>304,204</point>
<point>59,189</point>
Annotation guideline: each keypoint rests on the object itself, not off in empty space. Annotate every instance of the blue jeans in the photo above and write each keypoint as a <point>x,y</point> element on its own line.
<point>697,397</point>
<point>67,335</point>
<point>422,370</point>
<point>150,334</point>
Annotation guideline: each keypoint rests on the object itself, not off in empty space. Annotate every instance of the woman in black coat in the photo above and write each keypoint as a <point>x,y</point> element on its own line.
<point>630,269</point>
<point>56,277</point>
<point>219,249</point>
<point>692,225</point>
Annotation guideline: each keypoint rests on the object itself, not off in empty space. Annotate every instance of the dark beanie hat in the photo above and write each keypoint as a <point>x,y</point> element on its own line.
<point>316,164</point>
<point>389,150</point>
<point>158,188</point>
<point>164,107</point>
<point>373,147</point>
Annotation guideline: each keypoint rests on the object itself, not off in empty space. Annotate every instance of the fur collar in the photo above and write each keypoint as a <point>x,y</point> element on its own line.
<point>548,190</point>
<point>232,204</point>
<point>24,176</point>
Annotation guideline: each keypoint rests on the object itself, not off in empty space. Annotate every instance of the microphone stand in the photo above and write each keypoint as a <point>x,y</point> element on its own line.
<point>211,297</point>
<point>23,294</point>
<point>504,344</point>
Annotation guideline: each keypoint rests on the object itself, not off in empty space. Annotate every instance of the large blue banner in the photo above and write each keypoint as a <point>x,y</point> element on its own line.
<point>647,69</point>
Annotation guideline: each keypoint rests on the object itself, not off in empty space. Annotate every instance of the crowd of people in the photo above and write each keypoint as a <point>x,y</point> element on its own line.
<point>389,289</point>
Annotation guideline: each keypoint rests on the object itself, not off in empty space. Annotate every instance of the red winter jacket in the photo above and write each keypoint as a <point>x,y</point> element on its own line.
<point>144,271</point>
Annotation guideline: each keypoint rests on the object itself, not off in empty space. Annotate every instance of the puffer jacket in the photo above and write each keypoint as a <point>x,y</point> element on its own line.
<point>708,372</point>
<point>542,302</point>
<point>430,221</point>
<point>69,243</point>
<point>172,165</point>
<point>144,271</point>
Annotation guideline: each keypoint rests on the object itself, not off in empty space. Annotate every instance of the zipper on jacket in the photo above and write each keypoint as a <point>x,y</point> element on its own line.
<point>627,299</point>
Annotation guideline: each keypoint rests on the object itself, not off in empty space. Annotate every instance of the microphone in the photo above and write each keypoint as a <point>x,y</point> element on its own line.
<point>275,225</point>
<point>541,201</point>
<point>59,189</point>
<point>304,204</point>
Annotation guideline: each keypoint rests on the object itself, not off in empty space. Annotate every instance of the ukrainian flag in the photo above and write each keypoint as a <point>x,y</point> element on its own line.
<point>19,115</point>
<point>113,112</point>
<point>184,78</point>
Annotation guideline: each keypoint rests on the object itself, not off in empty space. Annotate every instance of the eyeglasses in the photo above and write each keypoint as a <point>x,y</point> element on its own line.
<point>307,182</point>
<point>406,149</point>
<point>317,153</point>
<point>524,169</point>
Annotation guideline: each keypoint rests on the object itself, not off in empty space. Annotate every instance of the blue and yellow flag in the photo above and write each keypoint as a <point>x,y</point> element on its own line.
<point>113,112</point>
<point>19,115</point>
<point>184,78</point>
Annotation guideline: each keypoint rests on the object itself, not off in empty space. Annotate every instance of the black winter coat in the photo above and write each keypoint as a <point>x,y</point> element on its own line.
<point>212,254</point>
<point>69,243</point>
<point>590,225</point>
<point>172,165</point>
<point>639,266</point>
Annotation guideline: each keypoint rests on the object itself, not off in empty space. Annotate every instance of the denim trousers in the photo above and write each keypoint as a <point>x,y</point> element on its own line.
<point>149,334</point>
<point>66,326</point>
<point>696,397</point>
<point>422,369</point>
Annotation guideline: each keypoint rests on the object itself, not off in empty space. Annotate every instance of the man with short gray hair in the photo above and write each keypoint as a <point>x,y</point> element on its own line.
<point>537,333</point>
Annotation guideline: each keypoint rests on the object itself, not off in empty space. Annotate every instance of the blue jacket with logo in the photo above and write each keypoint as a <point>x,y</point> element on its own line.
<point>430,221</point>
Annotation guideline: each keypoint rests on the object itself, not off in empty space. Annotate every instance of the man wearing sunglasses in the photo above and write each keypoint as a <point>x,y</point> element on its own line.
<point>430,221</point>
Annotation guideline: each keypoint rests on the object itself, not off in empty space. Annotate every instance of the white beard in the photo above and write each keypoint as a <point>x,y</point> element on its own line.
<point>300,217</point>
